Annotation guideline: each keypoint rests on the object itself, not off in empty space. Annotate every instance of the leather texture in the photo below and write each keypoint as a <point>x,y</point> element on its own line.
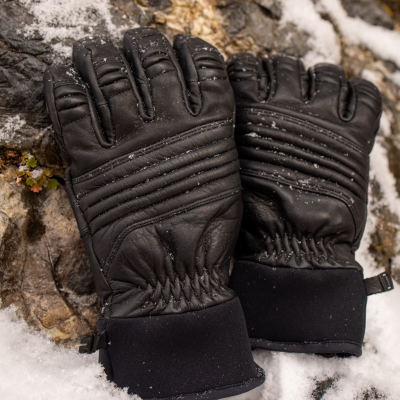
<point>153,179</point>
<point>303,140</point>
<point>153,174</point>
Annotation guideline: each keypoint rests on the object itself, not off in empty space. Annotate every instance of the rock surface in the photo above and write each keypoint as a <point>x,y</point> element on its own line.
<point>43,266</point>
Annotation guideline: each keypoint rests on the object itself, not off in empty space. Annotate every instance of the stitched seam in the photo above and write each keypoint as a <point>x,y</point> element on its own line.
<point>275,162</point>
<point>106,100</point>
<point>161,201</point>
<point>159,52</point>
<point>66,83</point>
<point>290,145</point>
<point>161,163</point>
<point>112,83</point>
<point>158,176</point>
<point>242,80</point>
<point>213,79</point>
<point>162,73</point>
<point>305,343</point>
<point>167,251</point>
<point>153,147</point>
<point>174,298</point>
<point>211,50</point>
<point>71,107</point>
<point>114,95</point>
<point>163,188</point>
<point>328,192</point>
<point>308,125</point>
<point>288,132</point>
<point>112,59</point>
<point>170,214</point>
<point>145,36</point>
<point>303,138</point>
<point>303,254</point>
<point>58,139</point>
<point>75,121</point>
<point>70,95</point>
<point>171,59</point>
<point>366,105</point>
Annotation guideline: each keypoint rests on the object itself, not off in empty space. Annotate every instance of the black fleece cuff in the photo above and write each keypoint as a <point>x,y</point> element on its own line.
<point>204,354</point>
<point>302,310</point>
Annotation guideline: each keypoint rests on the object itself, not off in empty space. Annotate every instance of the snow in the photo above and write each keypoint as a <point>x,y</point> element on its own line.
<point>33,367</point>
<point>383,42</point>
<point>58,20</point>
<point>322,38</point>
<point>8,131</point>
<point>380,168</point>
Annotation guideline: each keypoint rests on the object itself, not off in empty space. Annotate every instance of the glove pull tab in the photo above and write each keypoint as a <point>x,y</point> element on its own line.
<point>378,284</point>
<point>92,343</point>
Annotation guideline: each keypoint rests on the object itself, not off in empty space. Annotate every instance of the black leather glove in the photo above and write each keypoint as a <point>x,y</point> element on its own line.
<point>303,142</point>
<point>153,179</point>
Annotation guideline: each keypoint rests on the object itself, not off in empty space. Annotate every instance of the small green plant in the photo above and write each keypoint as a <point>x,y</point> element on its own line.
<point>34,176</point>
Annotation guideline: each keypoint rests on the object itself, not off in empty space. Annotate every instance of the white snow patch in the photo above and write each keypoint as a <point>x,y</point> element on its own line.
<point>23,168</point>
<point>57,20</point>
<point>396,78</point>
<point>36,173</point>
<point>8,130</point>
<point>34,368</point>
<point>383,42</point>
<point>380,168</point>
<point>370,76</point>
<point>322,41</point>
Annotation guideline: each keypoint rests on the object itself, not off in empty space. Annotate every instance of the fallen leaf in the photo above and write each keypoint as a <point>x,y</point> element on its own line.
<point>12,154</point>
<point>36,188</point>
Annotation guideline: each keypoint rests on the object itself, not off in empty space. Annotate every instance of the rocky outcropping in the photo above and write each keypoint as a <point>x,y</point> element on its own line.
<point>43,266</point>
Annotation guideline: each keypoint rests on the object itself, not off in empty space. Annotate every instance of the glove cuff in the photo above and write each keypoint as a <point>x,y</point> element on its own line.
<point>203,354</point>
<point>302,310</point>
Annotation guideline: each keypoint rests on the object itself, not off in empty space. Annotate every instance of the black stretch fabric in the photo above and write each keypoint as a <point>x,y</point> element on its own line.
<point>303,140</point>
<point>329,311</point>
<point>153,178</point>
<point>172,352</point>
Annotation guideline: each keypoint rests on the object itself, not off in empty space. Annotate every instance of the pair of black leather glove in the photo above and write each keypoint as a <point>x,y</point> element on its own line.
<point>155,181</point>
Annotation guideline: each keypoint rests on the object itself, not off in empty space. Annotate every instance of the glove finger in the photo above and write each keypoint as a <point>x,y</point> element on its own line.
<point>289,84</point>
<point>368,109</point>
<point>329,91</point>
<point>247,77</point>
<point>206,80</point>
<point>68,105</point>
<point>103,69</point>
<point>157,72</point>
